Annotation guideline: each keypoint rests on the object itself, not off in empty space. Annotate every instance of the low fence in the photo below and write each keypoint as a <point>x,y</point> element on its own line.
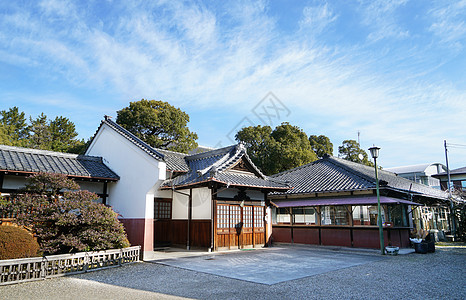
<point>38,268</point>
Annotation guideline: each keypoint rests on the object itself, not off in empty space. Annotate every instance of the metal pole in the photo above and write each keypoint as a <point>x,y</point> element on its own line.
<point>452,213</point>
<point>379,218</point>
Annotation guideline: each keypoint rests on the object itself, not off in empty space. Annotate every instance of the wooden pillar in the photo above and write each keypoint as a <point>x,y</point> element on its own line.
<point>2,176</point>
<point>213,221</point>
<point>104,196</point>
<point>190,212</point>
<point>266,225</point>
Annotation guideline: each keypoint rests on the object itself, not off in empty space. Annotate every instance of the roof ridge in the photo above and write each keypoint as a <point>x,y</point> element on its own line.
<point>296,168</point>
<point>210,153</point>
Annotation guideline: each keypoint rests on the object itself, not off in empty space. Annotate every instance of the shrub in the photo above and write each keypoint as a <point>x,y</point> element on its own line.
<point>16,242</point>
<point>72,222</point>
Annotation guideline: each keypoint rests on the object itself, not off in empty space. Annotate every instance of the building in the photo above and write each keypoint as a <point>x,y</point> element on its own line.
<point>423,173</point>
<point>457,178</point>
<point>333,202</point>
<point>213,200</point>
<point>89,172</point>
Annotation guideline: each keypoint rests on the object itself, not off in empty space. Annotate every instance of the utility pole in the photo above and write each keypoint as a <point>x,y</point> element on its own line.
<point>359,133</point>
<point>452,213</point>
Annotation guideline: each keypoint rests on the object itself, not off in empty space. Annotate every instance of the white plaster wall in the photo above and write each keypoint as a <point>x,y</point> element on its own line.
<point>202,204</point>
<point>163,193</point>
<point>140,174</point>
<point>180,205</point>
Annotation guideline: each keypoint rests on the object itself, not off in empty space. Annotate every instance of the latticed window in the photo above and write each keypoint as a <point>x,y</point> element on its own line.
<point>258,216</point>
<point>162,209</point>
<point>247,216</point>
<point>235,215</point>
<point>222,216</point>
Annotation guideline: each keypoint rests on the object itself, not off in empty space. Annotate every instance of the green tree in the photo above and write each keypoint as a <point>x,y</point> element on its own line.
<point>40,136</point>
<point>261,147</point>
<point>64,134</point>
<point>321,145</point>
<point>350,150</point>
<point>295,149</point>
<point>284,148</point>
<point>159,124</point>
<point>14,129</point>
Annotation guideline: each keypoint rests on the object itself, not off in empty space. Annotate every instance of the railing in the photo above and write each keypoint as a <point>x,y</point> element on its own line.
<point>38,268</point>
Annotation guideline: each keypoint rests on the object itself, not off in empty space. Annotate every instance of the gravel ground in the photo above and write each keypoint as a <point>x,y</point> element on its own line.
<point>439,275</point>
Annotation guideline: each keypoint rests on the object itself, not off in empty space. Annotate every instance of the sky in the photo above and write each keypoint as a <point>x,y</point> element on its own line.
<point>391,73</point>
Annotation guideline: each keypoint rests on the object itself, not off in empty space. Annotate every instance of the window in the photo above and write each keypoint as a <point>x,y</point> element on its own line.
<point>235,215</point>
<point>334,215</point>
<point>162,209</point>
<point>398,215</point>
<point>304,215</point>
<point>361,215</point>
<point>247,216</point>
<point>222,216</point>
<point>373,214</point>
<point>283,215</point>
<point>258,216</point>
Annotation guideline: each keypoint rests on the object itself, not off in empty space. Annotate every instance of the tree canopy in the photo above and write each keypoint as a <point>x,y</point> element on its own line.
<point>321,145</point>
<point>284,148</point>
<point>159,124</point>
<point>350,150</point>
<point>41,133</point>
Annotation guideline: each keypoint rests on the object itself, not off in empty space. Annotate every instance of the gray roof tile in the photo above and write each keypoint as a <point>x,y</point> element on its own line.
<point>17,159</point>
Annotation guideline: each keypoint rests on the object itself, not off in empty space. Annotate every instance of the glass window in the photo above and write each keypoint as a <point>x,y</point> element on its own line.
<point>304,215</point>
<point>258,216</point>
<point>361,215</point>
<point>283,215</point>
<point>334,215</point>
<point>398,215</point>
<point>373,214</point>
<point>247,216</point>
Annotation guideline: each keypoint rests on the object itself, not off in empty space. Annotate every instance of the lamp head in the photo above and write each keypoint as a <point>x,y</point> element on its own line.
<point>374,151</point>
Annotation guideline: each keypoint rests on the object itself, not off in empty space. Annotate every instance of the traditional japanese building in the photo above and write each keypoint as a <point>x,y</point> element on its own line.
<point>333,202</point>
<point>213,200</point>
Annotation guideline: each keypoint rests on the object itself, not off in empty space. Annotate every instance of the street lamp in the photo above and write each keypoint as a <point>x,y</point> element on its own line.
<point>375,153</point>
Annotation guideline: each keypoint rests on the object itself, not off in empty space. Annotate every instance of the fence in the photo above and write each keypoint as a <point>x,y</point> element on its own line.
<point>38,268</point>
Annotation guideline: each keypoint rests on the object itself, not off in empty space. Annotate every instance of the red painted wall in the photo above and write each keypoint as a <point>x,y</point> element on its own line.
<point>140,232</point>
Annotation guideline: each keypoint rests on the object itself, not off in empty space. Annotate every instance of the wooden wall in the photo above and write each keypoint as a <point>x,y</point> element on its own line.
<point>175,232</point>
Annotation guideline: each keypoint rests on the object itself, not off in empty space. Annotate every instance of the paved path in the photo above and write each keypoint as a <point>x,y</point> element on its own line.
<point>440,275</point>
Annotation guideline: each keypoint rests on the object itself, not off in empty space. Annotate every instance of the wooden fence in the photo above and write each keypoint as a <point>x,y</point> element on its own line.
<point>38,268</point>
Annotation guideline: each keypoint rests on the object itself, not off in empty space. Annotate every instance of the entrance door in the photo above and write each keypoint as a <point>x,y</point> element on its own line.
<point>162,222</point>
<point>239,227</point>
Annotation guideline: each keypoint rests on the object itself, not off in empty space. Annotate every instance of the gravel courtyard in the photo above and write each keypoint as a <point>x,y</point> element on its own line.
<point>439,275</point>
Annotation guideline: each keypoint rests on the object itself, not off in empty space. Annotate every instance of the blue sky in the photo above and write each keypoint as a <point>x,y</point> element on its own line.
<point>392,70</point>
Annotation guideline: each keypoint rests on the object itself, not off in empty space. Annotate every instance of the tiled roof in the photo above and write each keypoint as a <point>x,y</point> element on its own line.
<point>174,160</point>
<point>16,159</point>
<point>216,166</point>
<point>459,171</point>
<point>332,174</point>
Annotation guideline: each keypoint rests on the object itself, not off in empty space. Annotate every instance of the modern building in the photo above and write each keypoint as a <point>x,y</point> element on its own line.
<point>423,173</point>
<point>457,178</point>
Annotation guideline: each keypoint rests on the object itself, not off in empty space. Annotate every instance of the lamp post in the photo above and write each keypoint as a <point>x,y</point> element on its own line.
<point>375,153</point>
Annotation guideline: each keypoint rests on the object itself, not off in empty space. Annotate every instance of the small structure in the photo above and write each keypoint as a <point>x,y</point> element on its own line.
<point>17,163</point>
<point>333,202</point>
<point>423,173</point>
<point>457,178</point>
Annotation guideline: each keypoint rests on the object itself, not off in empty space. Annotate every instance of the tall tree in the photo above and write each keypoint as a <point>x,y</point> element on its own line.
<point>275,151</point>
<point>40,136</point>
<point>321,145</point>
<point>64,134</point>
<point>159,124</point>
<point>350,150</point>
<point>262,148</point>
<point>13,127</point>
<point>295,149</point>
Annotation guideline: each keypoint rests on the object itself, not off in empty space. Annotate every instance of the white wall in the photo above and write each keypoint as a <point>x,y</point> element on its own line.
<point>202,204</point>
<point>140,174</point>
<point>180,205</point>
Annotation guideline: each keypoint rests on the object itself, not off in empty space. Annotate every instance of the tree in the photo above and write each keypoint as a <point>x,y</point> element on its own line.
<point>295,149</point>
<point>350,150</point>
<point>159,124</point>
<point>14,129</point>
<point>275,151</point>
<point>260,145</point>
<point>40,136</point>
<point>65,222</point>
<point>64,134</point>
<point>321,145</point>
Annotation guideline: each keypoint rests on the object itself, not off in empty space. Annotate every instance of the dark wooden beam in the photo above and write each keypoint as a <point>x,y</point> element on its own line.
<point>104,198</point>
<point>190,213</point>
